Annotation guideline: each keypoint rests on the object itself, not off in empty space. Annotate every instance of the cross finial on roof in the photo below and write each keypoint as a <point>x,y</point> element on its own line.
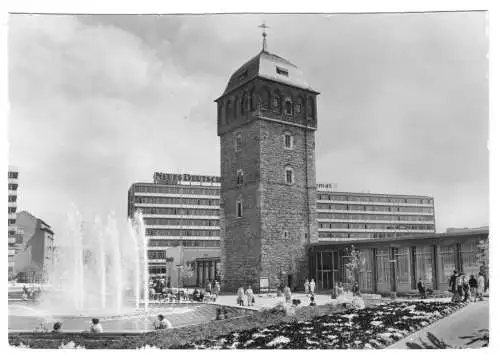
<point>264,34</point>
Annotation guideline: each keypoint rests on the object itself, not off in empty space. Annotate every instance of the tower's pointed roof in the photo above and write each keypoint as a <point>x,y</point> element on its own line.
<point>269,66</point>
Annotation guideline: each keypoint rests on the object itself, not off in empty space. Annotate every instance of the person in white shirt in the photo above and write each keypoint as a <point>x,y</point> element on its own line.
<point>162,323</point>
<point>95,326</point>
<point>312,286</point>
<point>249,294</point>
<point>306,286</point>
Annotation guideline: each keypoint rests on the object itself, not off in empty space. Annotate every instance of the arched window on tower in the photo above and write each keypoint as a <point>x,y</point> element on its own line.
<point>228,111</point>
<point>253,101</point>
<point>299,107</point>
<point>310,107</point>
<point>289,176</point>
<point>236,100</point>
<point>244,103</point>
<point>288,107</point>
<point>277,101</point>
<point>265,96</point>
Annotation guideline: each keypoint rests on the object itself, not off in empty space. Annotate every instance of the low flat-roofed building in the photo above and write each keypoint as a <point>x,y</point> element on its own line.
<point>396,264</point>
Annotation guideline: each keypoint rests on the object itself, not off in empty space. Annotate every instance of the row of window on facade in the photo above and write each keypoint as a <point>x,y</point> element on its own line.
<point>363,208</point>
<point>375,226</point>
<point>235,106</point>
<point>170,200</point>
<point>288,176</point>
<point>13,187</point>
<point>287,139</point>
<point>177,190</point>
<point>180,211</point>
<point>182,222</point>
<point>184,243</point>
<point>183,232</point>
<point>349,198</point>
<point>363,235</point>
<point>375,217</point>
<point>12,210</point>
<point>13,175</point>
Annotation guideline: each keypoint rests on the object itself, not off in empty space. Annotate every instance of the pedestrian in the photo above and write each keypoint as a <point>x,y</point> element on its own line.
<point>95,326</point>
<point>306,287</point>
<point>473,287</point>
<point>312,286</point>
<point>240,296</point>
<point>57,327</point>
<point>217,289</point>
<point>480,286</point>
<point>355,288</point>
<point>249,294</point>
<point>288,294</point>
<point>313,303</point>
<point>209,287</point>
<point>460,287</point>
<point>466,288</point>
<point>453,286</point>
<point>162,323</point>
<point>421,288</point>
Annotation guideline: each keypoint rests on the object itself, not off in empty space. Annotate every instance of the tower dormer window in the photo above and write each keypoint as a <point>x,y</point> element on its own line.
<point>289,178</point>
<point>281,71</point>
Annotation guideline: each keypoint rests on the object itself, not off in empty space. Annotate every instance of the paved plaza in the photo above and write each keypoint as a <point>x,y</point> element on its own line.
<point>465,322</point>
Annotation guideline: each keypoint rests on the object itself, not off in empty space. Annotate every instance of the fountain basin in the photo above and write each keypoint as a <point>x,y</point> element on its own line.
<point>23,318</point>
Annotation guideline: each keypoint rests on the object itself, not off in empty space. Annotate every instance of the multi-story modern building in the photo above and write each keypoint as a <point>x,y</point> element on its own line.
<point>35,240</point>
<point>344,216</point>
<point>13,175</point>
<point>181,216</point>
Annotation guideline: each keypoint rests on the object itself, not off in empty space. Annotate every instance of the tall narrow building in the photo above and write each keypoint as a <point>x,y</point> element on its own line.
<point>13,175</point>
<point>267,120</point>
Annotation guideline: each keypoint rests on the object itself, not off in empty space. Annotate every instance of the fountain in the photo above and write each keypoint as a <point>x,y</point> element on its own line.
<point>98,272</point>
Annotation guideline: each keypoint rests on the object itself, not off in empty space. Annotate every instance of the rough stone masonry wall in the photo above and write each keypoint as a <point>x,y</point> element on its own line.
<point>240,237</point>
<point>286,207</point>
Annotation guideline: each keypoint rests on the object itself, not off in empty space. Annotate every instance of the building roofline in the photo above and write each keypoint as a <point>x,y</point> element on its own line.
<point>471,232</point>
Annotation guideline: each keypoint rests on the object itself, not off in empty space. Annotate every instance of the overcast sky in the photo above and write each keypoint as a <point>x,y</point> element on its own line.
<point>100,102</point>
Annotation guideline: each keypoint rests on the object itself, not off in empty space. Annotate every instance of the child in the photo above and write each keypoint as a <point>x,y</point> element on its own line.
<point>95,326</point>
<point>162,323</point>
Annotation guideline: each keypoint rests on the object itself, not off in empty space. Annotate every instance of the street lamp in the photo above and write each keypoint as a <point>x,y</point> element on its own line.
<point>179,268</point>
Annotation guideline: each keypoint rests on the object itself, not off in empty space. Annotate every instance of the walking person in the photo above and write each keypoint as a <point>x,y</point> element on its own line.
<point>306,287</point>
<point>466,288</point>
<point>421,288</point>
<point>460,287</point>
<point>453,285</point>
<point>312,286</point>
<point>480,286</point>
<point>217,289</point>
<point>240,296</point>
<point>473,287</point>
<point>288,294</point>
<point>209,287</point>
<point>249,294</point>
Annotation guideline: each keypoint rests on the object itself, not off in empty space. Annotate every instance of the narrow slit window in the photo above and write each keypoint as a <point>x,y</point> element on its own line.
<point>281,71</point>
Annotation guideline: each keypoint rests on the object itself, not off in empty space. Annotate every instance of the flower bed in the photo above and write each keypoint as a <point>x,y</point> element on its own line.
<point>375,327</point>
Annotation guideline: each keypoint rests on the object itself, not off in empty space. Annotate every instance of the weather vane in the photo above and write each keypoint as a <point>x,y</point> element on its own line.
<point>264,34</point>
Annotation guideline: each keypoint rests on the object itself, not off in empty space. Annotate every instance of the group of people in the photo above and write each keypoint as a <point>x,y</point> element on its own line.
<point>95,327</point>
<point>309,286</point>
<point>248,294</point>
<point>466,288</point>
<point>210,292</point>
<point>31,293</point>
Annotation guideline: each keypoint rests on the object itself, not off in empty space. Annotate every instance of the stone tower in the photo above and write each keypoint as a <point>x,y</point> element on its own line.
<point>266,121</point>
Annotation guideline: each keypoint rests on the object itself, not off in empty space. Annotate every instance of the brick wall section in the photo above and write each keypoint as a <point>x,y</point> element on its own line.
<point>287,207</point>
